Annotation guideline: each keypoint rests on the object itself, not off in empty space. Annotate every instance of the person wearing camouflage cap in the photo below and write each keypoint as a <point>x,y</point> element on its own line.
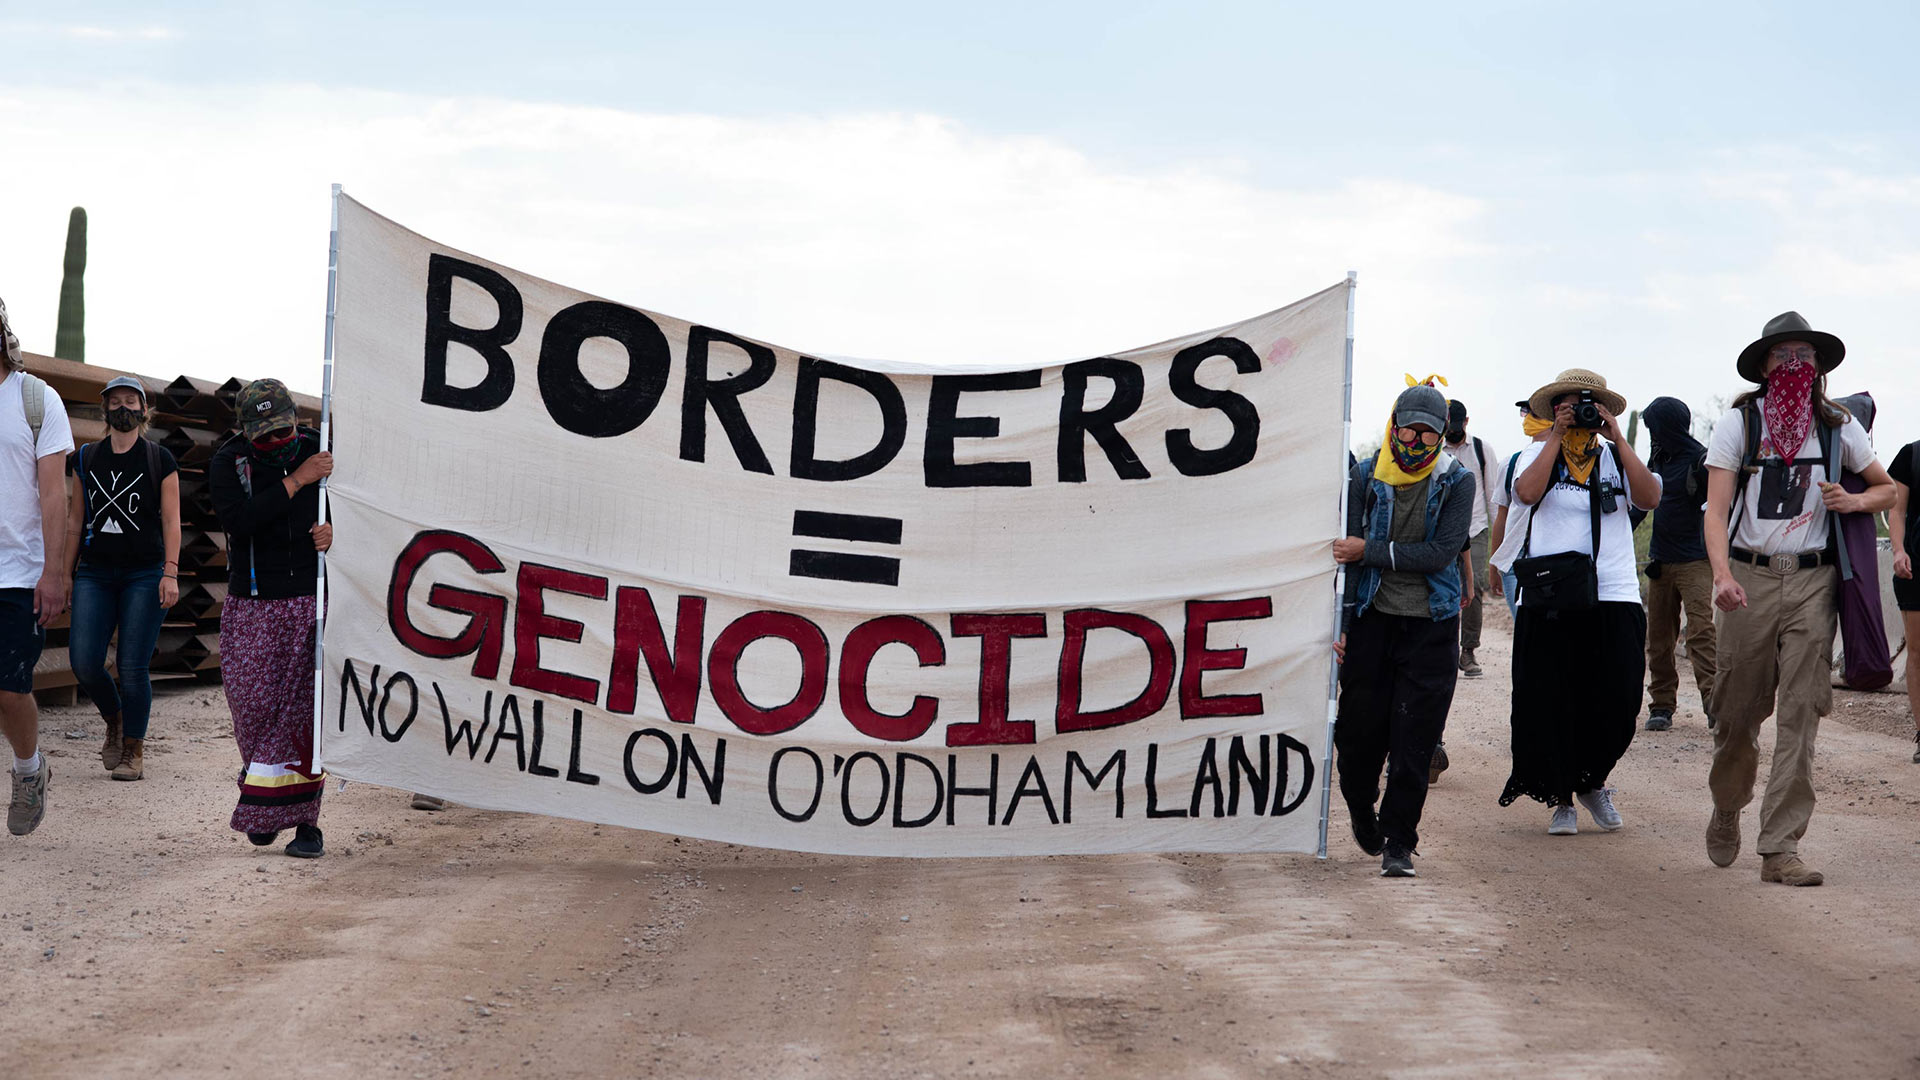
<point>1408,511</point>
<point>264,483</point>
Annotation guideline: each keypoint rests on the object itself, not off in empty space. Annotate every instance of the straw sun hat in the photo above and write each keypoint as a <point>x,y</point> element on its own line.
<point>1572,381</point>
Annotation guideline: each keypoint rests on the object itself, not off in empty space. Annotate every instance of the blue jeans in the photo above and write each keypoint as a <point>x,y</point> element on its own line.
<point>1512,585</point>
<point>105,597</point>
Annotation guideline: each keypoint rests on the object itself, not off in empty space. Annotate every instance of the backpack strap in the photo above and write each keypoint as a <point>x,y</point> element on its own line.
<point>1511,463</point>
<point>1750,426</point>
<point>33,395</point>
<point>1836,545</point>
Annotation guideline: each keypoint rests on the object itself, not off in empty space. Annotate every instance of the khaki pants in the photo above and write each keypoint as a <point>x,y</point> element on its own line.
<point>1689,586</point>
<point>1470,618</point>
<point>1777,648</point>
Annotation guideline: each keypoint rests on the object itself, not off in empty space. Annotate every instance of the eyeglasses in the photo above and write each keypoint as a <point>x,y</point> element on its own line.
<point>1791,352</point>
<point>1427,438</point>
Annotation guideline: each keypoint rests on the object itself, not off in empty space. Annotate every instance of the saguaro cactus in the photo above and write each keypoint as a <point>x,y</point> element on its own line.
<point>1633,428</point>
<point>70,334</point>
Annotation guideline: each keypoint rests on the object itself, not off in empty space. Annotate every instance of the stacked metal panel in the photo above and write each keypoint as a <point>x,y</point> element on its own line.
<point>190,417</point>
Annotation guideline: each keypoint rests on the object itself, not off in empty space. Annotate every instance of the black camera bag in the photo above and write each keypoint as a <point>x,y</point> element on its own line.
<point>1566,580</point>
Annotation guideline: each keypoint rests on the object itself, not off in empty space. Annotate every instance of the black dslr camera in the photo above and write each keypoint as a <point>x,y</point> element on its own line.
<point>1586,414</point>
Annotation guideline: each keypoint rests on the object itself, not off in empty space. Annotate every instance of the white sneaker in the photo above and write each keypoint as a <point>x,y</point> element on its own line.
<point>1599,803</point>
<point>1565,822</point>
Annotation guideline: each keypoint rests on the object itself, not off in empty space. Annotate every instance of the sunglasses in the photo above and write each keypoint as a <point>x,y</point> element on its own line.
<point>1792,352</point>
<point>1407,435</point>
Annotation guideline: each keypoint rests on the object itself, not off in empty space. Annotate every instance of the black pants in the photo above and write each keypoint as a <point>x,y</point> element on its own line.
<point>1576,694</point>
<point>1395,689</point>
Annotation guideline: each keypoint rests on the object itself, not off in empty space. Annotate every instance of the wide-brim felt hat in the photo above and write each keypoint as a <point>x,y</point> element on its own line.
<point>1572,381</point>
<point>1789,326</point>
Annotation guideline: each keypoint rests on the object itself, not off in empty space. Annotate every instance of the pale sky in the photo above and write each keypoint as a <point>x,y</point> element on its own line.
<point>1522,187</point>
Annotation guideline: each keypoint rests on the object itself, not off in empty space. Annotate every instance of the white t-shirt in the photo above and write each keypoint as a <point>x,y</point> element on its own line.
<point>1481,492</point>
<point>1782,511</point>
<point>21,559</point>
<point>1562,521</point>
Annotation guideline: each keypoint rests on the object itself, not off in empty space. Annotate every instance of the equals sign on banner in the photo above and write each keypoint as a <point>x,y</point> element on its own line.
<point>840,565</point>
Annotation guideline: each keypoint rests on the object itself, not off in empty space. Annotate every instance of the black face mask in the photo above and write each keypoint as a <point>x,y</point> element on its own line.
<point>1456,434</point>
<point>125,419</point>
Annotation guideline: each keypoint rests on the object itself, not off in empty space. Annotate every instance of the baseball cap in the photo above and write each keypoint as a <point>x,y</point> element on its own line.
<point>127,382</point>
<point>264,408</point>
<point>1421,405</point>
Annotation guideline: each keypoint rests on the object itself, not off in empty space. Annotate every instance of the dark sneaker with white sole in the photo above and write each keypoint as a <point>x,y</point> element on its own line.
<point>1397,862</point>
<point>1659,720</point>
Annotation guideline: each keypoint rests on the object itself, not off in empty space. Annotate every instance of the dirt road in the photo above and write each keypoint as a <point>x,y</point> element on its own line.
<point>138,936</point>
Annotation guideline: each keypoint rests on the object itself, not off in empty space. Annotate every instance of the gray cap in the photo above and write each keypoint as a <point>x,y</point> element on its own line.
<point>130,383</point>
<point>1421,405</point>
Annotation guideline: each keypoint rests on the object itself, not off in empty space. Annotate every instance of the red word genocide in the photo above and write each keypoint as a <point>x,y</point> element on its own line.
<point>677,668</point>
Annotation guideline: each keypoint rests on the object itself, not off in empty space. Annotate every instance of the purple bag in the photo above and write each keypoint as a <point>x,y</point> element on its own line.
<point>1863,630</point>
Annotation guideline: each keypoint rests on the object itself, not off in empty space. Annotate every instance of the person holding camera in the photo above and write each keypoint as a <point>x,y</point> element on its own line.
<point>1579,641</point>
<point>1772,493</point>
<point>1408,511</point>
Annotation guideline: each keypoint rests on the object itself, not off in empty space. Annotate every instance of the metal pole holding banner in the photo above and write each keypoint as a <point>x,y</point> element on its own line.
<point>1339,578</point>
<point>326,441</point>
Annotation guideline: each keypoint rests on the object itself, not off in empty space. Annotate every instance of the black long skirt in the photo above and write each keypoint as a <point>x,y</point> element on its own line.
<point>1577,678</point>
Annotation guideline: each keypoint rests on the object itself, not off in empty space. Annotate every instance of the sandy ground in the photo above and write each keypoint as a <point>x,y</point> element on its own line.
<point>138,937</point>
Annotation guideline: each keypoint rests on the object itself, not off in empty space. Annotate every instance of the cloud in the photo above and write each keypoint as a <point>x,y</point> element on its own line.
<point>914,238</point>
<point>895,235</point>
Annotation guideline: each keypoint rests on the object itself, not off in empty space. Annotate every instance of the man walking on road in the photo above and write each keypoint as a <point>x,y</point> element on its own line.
<point>1678,576</point>
<point>35,440</point>
<point>1772,474</point>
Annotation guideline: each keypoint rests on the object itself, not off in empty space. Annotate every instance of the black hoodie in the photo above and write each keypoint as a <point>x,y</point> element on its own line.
<point>1680,521</point>
<point>270,552</point>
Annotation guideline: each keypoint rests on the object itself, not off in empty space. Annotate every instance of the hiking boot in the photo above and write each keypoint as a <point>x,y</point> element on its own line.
<point>1366,832</point>
<point>1564,821</point>
<point>1723,837</point>
<point>1787,869</point>
<point>307,842</point>
<point>1438,765</point>
<point>110,751</point>
<point>1469,667</point>
<point>133,761</point>
<point>1397,862</point>
<point>1599,803</point>
<point>29,803</point>
<point>428,802</point>
<point>262,839</point>
<point>1660,720</point>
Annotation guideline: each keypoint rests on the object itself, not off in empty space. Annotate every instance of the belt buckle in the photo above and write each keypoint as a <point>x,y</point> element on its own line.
<point>1783,563</point>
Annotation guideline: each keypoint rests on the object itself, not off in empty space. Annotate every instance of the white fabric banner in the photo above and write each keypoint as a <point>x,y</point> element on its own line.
<point>601,563</point>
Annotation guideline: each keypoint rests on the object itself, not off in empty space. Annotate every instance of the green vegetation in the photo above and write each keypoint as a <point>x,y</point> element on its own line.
<point>70,334</point>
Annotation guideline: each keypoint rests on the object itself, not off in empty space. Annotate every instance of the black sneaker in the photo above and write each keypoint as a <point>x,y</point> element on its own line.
<point>1366,833</point>
<point>1437,766</point>
<point>1659,720</point>
<point>262,839</point>
<point>1398,862</point>
<point>307,843</point>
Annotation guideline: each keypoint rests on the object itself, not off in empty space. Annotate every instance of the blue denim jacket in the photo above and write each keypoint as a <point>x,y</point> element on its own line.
<point>1449,511</point>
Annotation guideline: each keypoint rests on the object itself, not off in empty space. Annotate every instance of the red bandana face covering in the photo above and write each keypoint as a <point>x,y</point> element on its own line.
<point>1788,407</point>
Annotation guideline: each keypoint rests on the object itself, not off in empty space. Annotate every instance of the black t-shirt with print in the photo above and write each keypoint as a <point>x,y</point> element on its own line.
<point>120,522</point>
<point>1902,470</point>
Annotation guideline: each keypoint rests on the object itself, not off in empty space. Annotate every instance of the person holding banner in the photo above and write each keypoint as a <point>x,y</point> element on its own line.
<point>1408,511</point>
<point>125,514</point>
<point>1579,642</point>
<point>263,486</point>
